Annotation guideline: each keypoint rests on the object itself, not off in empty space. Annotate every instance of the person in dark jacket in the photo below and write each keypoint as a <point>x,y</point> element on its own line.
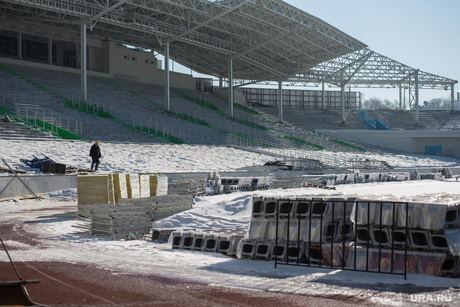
<point>95,153</point>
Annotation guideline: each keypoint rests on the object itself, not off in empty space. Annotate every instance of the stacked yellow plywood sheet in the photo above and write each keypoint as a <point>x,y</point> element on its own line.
<point>109,189</point>
<point>158,185</point>
<point>94,190</point>
<point>120,186</point>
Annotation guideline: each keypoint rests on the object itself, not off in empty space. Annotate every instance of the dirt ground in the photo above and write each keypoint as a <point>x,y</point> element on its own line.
<point>64,284</point>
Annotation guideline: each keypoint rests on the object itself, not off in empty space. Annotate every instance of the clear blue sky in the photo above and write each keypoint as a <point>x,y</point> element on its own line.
<point>423,34</point>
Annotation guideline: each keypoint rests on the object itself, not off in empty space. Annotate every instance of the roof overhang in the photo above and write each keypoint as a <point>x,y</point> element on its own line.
<point>266,39</point>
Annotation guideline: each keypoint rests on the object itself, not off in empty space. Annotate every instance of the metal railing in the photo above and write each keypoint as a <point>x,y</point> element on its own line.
<point>367,119</point>
<point>313,236</point>
<point>269,148</point>
<point>157,128</point>
<point>39,117</point>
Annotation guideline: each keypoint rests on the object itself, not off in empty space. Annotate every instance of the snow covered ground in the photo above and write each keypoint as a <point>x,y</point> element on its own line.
<point>50,222</point>
<point>157,158</point>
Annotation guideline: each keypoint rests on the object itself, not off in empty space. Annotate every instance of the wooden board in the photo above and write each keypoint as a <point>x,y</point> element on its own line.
<point>4,169</point>
<point>20,197</point>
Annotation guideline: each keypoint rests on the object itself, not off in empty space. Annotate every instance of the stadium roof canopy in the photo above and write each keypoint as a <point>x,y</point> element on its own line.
<point>266,40</point>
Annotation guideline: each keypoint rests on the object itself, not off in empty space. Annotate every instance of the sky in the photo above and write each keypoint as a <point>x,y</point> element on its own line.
<point>422,34</point>
<point>57,236</point>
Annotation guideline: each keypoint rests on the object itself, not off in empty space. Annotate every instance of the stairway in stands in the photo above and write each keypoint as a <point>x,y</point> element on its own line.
<point>15,131</point>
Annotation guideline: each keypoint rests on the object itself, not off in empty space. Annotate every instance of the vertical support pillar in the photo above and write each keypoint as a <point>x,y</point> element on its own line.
<point>230,86</point>
<point>167,80</point>
<point>84,84</point>
<point>19,45</point>
<point>400,97</point>
<point>50,51</point>
<point>417,115</point>
<point>323,103</point>
<point>452,97</point>
<point>280,100</point>
<point>404,99</point>
<point>359,101</point>
<point>342,98</point>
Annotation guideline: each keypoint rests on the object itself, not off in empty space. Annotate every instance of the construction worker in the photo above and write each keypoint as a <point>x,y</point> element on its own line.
<point>95,154</point>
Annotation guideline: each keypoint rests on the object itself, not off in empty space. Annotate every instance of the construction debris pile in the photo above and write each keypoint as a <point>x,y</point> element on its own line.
<point>123,206</point>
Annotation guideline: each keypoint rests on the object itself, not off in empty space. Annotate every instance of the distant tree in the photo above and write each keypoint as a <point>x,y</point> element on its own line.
<point>376,103</point>
<point>439,102</point>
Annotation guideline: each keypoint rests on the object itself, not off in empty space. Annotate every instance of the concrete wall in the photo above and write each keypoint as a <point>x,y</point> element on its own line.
<point>37,183</point>
<point>120,62</point>
<point>413,141</point>
<point>141,66</point>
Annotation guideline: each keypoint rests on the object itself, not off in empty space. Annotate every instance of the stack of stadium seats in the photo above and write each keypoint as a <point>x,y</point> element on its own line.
<point>361,234</point>
<point>243,184</point>
<point>224,241</point>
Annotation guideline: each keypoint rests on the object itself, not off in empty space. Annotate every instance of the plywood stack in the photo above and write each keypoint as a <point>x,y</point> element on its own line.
<point>120,221</point>
<point>163,206</point>
<point>120,186</point>
<point>168,205</point>
<point>94,190</point>
<point>158,185</point>
<point>109,189</point>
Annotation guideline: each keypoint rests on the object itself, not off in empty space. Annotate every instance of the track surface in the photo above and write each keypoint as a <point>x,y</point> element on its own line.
<point>63,284</point>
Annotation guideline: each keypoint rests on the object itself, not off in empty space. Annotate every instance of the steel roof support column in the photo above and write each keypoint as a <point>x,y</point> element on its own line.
<point>342,99</point>
<point>323,104</point>
<point>400,97</point>
<point>50,51</point>
<point>360,102</point>
<point>452,97</point>
<point>280,100</point>
<point>230,86</point>
<point>167,89</point>
<point>417,116</point>
<point>19,45</point>
<point>84,81</point>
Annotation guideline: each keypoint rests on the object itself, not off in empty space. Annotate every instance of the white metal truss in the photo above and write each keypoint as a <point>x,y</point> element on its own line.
<point>267,40</point>
<point>367,68</point>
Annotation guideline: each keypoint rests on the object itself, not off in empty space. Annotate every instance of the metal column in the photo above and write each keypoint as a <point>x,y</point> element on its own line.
<point>359,100</point>
<point>452,97</point>
<point>230,86</point>
<point>167,90</point>
<point>342,98</point>
<point>20,46</point>
<point>417,116</point>
<point>280,100</point>
<point>50,51</point>
<point>84,81</point>
<point>323,103</point>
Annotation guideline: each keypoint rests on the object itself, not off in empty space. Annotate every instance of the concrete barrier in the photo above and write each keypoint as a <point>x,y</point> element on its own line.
<point>37,183</point>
